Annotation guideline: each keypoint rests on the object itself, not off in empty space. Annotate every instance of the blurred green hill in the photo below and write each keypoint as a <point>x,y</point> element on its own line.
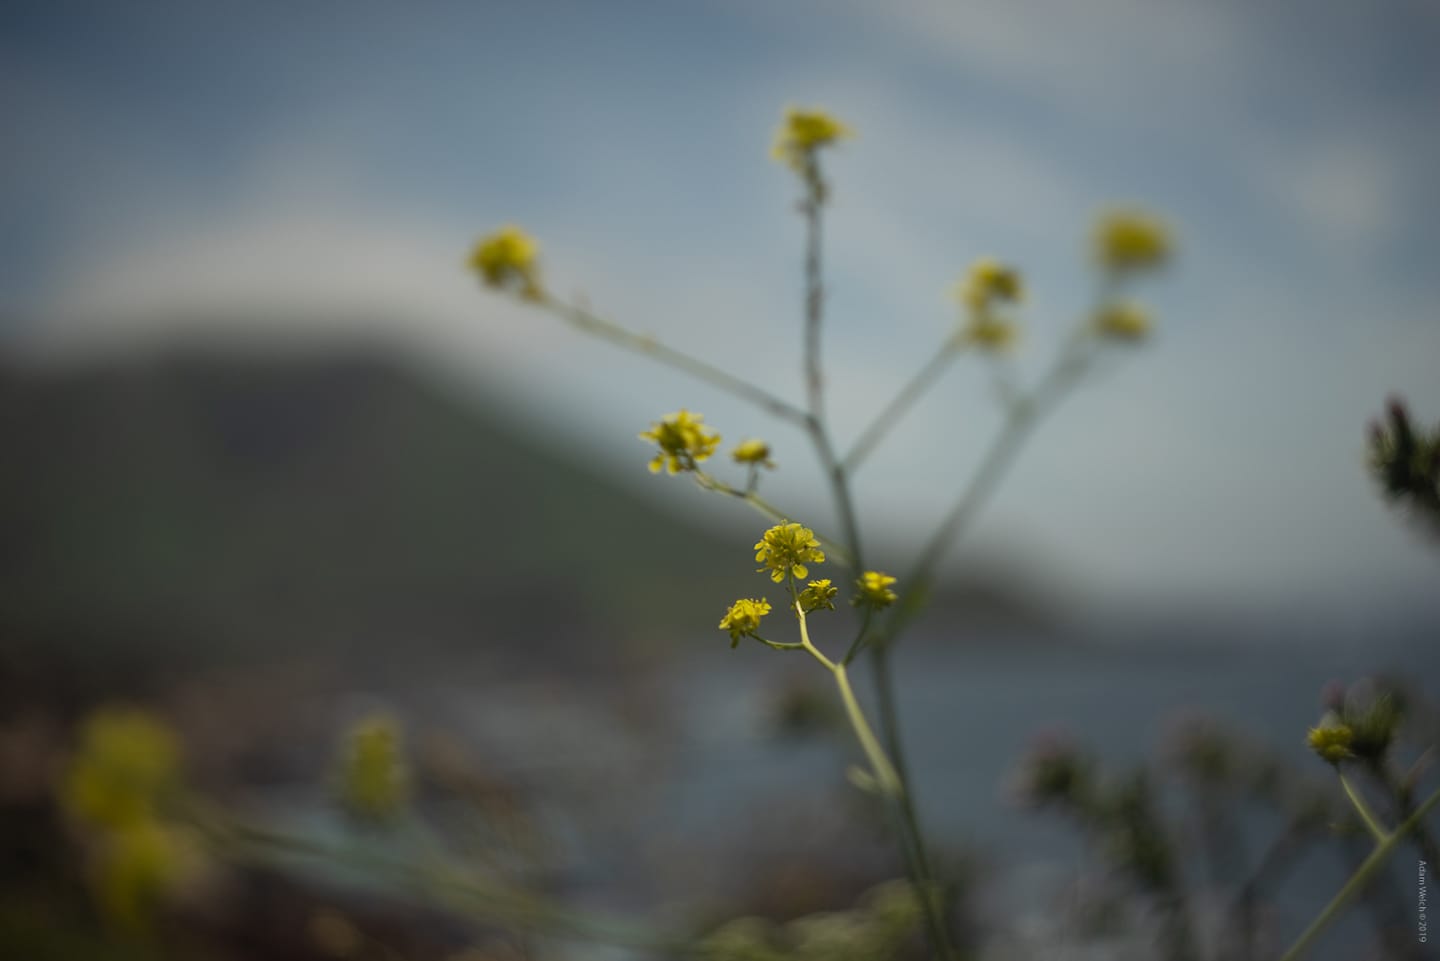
<point>215,504</point>
<point>331,503</point>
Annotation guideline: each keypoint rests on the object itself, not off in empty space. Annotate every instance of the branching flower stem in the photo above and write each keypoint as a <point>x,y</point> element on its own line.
<point>1371,822</point>
<point>912,839</point>
<point>885,775</point>
<point>1360,878</point>
<point>901,403</point>
<point>590,323</point>
<point>768,510</point>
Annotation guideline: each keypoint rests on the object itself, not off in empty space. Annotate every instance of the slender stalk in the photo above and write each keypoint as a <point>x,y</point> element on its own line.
<point>1020,420</point>
<point>1359,879</point>
<point>769,510</point>
<point>912,840</point>
<point>886,777</point>
<point>815,423</point>
<point>902,402</point>
<point>608,330</point>
<point>489,900</point>
<point>814,302</point>
<point>1372,824</point>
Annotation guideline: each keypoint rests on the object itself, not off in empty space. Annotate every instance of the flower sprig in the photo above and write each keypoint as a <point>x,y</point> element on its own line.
<point>509,260</point>
<point>684,442</point>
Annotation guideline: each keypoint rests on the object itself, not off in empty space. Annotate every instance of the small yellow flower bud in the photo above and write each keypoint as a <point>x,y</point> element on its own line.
<point>785,549</point>
<point>684,441</point>
<point>755,452</point>
<point>873,589</point>
<point>743,618</point>
<point>1123,320</point>
<point>1331,740</point>
<point>508,260</point>
<point>1130,240</point>
<point>817,596</point>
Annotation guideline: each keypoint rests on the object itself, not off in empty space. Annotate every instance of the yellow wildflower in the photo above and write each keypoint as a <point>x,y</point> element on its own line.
<point>804,132</point>
<point>785,549</point>
<point>126,761</point>
<point>1332,739</point>
<point>743,618</point>
<point>988,281</point>
<point>1130,240</point>
<point>374,783</point>
<point>137,866</point>
<point>874,591</point>
<point>818,595</point>
<point>684,441</point>
<point>1123,320</point>
<point>755,452</point>
<point>508,260</point>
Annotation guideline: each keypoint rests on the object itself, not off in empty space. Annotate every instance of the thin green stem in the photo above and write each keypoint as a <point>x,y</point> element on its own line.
<point>779,645</point>
<point>902,402</point>
<point>768,510</point>
<point>860,635</point>
<point>1359,879</point>
<point>1372,823</point>
<point>1021,417</point>
<point>583,320</point>
<point>885,774</point>
<point>489,900</point>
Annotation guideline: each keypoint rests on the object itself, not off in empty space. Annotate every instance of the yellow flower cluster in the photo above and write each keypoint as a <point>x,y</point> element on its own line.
<point>755,452</point>
<point>785,549</point>
<point>374,783</point>
<point>818,596</point>
<point>988,283</point>
<point>1127,240</point>
<point>127,761</point>
<point>1331,740</point>
<point>743,618</point>
<point>126,765</point>
<point>684,442</point>
<point>509,260</point>
<point>803,133</point>
<point>873,591</point>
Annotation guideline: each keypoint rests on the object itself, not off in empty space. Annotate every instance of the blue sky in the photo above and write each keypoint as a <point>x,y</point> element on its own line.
<point>316,172</point>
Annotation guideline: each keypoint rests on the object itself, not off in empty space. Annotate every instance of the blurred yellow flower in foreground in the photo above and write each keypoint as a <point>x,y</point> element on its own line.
<point>374,782</point>
<point>137,866</point>
<point>802,133</point>
<point>684,441</point>
<point>509,260</point>
<point>126,760</point>
<point>1131,240</point>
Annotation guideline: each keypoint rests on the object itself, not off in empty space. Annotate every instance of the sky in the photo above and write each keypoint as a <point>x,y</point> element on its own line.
<point>314,174</point>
